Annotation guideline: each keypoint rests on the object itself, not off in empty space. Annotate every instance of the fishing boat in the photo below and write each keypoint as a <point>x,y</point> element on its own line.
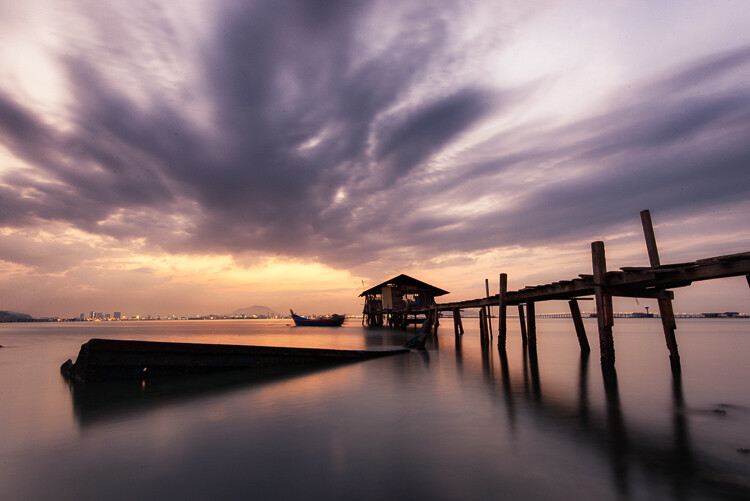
<point>332,321</point>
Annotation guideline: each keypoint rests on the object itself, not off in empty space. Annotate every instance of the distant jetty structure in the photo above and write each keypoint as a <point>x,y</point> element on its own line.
<point>389,304</point>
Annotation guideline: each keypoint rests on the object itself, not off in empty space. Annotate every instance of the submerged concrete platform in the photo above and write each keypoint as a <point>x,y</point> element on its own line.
<point>111,359</point>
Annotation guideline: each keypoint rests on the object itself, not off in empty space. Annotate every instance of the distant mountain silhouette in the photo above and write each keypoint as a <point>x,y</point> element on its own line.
<point>255,310</point>
<point>12,316</point>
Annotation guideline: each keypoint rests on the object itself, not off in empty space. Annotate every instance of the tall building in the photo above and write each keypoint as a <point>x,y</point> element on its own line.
<point>118,315</point>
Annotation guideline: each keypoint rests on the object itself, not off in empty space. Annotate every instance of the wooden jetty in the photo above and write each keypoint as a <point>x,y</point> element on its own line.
<point>653,281</point>
<point>109,359</point>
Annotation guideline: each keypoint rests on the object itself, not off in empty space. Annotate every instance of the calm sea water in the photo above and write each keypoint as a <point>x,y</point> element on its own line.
<point>458,421</point>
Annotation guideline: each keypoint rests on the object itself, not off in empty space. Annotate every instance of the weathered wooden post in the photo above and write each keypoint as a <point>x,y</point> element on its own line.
<point>604,313</point>
<point>648,233</point>
<point>531,323</point>
<point>482,324</point>
<point>489,308</point>
<point>522,319</point>
<point>487,331</point>
<point>502,314</point>
<point>458,326</point>
<point>575,312</point>
<point>665,304</point>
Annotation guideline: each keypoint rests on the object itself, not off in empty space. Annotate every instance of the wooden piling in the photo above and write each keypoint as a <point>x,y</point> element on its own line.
<point>604,313</point>
<point>531,323</point>
<point>665,304</point>
<point>489,308</point>
<point>648,233</point>
<point>669,325</point>
<point>490,335</point>
<point>575,312</point>
<point>458,326</point>
<point>485,337</point>
<point>502,314</point>
<point>522,319</point>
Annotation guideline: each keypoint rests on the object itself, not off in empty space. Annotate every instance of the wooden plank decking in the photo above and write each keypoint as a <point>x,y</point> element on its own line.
<point>642,282</point>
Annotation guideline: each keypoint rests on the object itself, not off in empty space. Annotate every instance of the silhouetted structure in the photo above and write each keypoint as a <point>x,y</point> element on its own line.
<point>392,301</point>
<point>638,282</point>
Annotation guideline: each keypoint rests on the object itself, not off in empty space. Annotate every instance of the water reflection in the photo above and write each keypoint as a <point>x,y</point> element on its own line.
<point>682,457</point>
<point>536,385</point>
<point>101,401</point>
<point>583,387</point>
<point>507,390</point>
<point>674,462</point>
<point>616,433</point>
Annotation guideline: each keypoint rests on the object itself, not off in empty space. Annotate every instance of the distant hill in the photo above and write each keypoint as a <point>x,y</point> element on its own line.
<point>12,316</point>
<point>255,310</point>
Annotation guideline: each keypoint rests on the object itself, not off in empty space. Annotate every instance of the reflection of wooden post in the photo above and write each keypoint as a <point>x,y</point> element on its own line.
<point>489,308</point>
<point>522,319</point>
<point>531,323</point>
<point>502,314</point>
<point>604,314</point>
<point>575,312</point>
<point>666,312</point>
<point>536,388</point>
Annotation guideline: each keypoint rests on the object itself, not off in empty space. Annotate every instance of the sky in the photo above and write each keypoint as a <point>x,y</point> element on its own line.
<point>195,157</point>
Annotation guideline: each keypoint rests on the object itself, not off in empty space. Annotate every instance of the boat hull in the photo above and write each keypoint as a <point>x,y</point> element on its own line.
<point>334,321</point>
<point>107,359</point>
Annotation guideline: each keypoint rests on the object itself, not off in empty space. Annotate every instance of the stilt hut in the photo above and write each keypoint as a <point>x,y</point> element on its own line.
<point>390,303</point>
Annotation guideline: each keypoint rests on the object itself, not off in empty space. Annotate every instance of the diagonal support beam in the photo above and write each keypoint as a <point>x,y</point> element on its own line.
<point>665,304</point>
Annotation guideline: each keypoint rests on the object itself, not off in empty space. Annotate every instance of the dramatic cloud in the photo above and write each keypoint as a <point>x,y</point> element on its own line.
<point>365,136</point>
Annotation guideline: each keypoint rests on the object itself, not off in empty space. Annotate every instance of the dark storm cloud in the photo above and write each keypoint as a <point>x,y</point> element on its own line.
<point>324,137</point>
<point>279,76</point>
<point>672,155</point>
<point>674,148</point>
<point>404,146</point>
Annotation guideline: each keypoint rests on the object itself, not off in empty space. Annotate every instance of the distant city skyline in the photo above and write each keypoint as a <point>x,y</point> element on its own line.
<point>167,159</point>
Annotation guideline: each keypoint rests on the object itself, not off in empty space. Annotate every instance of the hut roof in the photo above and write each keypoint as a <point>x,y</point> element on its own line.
<point>406,282</point>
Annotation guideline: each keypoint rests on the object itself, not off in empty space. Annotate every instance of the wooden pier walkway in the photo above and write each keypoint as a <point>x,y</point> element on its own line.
<point>653,281</point>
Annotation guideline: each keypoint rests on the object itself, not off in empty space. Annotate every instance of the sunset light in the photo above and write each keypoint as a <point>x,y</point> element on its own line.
<point>374,250</point>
